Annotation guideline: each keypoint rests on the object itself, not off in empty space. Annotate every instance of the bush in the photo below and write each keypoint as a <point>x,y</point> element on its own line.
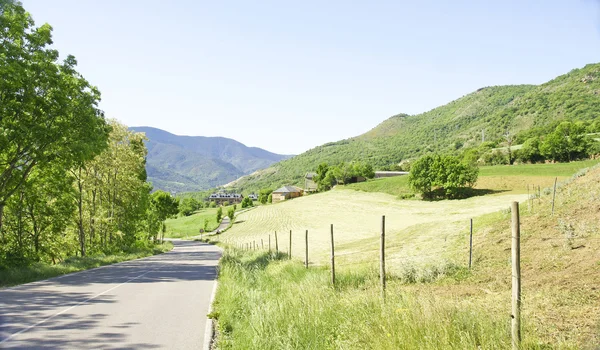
<point>495,158</point>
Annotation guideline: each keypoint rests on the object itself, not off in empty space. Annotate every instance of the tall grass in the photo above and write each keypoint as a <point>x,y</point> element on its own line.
<point>10,276</point>
<point>264,302</point>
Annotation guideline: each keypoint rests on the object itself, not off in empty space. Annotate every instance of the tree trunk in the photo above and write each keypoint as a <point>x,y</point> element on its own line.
<point>1,217</point>
<point>80,221</point>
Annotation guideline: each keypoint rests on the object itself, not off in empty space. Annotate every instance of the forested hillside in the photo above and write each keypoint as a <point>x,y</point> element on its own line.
<point>193,163</point>
<point>71,182</point>
<point>491,111</point>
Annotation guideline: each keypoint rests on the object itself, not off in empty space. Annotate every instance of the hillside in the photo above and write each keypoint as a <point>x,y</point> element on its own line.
<point>193,163</point>
<point>433,299</point>
<point>458,124</point>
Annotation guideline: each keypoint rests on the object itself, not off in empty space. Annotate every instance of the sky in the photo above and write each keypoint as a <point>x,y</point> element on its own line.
<point>287,76</point>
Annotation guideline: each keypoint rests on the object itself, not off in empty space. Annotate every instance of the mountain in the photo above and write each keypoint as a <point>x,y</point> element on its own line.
<point>194,163</point>
<point>456,125</point>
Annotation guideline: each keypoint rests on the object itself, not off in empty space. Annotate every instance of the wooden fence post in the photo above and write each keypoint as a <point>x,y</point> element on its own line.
<point>306,246</point>
<point>262,244</point>
<point>516,278</point>
<point>276,243</point>
<point>290,256</point>
<point>332,259</point>
<point>471,245</point>
<point>554,194</point>
<point>382,258</point>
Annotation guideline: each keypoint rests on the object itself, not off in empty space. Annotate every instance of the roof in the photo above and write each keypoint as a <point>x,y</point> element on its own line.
<point>287,189</point>
<point>310,176</point>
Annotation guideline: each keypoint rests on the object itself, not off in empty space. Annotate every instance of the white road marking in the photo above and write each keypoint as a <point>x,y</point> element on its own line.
<point>70,308</point>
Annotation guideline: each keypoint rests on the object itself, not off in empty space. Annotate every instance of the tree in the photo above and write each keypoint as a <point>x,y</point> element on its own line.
<point>48,110</point>
<point>247,203</point>
<point>434,175</point>
<point>219,214</point>
<point>270,198</point>
<point>263,195</point>
<point>231,214</point>
<point>530,151</point>
<point>163,206</point>
<point>188,206</point>
<point>568,142</point>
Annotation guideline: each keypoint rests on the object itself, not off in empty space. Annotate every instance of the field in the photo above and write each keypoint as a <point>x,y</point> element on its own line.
<point>435,300</point>
<point>415,229</point>
<point>189,226</point>
<point>497,179</point>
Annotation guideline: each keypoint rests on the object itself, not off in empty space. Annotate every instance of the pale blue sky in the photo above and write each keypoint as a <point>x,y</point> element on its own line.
<point>287,76</point>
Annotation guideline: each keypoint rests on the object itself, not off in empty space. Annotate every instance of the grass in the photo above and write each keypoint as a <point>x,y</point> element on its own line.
<point>39,271</point>
<point>188,226</point>
<point>396,186</point>
<point>264,302</point>
<point>497,178</point>
<point>411,226</point>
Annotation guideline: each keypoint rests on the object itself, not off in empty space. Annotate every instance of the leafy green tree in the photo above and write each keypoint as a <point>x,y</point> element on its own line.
<point>219,214</point>
<point>188,206</point>
<point>270,198</point>
<point>205,226</point>
<point>231,214</point>
<point>163,206</point>
<point>568,142</point>
<point>212,204</point>
<point>247,202</point>
<point>48,110</point>
<point>443,175</point>
<point>530,152</point>
<point>263,195</point>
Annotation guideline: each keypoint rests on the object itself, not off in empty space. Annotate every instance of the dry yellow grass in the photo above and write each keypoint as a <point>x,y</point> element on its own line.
<point>416,230</point>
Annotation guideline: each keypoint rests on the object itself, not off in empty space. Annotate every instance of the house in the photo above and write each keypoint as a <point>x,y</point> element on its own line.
<point>380,174</point>
<point>253,197</point>
<point>231,198</point>
<point>309,182</point>
<point>286,192</point>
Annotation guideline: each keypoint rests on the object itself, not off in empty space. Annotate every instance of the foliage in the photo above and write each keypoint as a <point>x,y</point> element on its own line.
<point>445,176</point>
<point>48,111</point>
<point>567,142</point>
<point>188,206</point>
<point>219,214</point>
<point>270,198</point>
<point>231,213</point>
<point>263,195</point>
<point>343,173</point>
<point>247,203</point>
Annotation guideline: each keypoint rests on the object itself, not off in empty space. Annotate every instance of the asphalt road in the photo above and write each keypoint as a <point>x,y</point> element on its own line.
<point>159,302</point>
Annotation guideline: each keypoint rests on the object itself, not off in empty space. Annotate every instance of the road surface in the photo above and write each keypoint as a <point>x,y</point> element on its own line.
<point>159,302</point>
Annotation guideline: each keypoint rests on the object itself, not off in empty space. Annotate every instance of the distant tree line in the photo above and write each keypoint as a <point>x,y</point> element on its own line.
<point>343,173</point>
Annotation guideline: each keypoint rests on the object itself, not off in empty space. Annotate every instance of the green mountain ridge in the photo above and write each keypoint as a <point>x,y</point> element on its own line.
<point>458,124</point>
<point>194,163</point>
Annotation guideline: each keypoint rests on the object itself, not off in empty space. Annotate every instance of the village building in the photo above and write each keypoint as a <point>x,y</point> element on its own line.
<point>231,198</point>
<point>309,182</point>
<point>253,197</point>
<point>380,174</point>
<point>286,192</point>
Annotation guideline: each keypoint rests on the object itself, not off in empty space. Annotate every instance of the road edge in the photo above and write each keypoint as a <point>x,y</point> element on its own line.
<point>209,330</point>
